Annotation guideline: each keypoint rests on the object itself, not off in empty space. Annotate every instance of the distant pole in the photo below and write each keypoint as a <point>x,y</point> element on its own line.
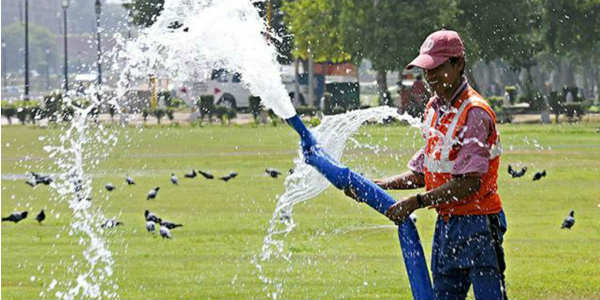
<point>98,11</point>
<point>26,97</point>
<point>65,5</point>
<point>4,63</point>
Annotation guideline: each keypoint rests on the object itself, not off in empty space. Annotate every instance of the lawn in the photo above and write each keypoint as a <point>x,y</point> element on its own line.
<point>341,249</point>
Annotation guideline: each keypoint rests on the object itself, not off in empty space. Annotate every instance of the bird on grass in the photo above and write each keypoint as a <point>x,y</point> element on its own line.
<point>109,187</point>
<point>515,173</point>
<point>41,216</point>
<point>206,174</point>
<point>272,172</point>
<point>174,179</point>
<point>152,193</point>
<point>16,216</point>
<point>539,175</point>
<point>39,179</point>
<point>129,180</point>
<point>170,225</point>
<point>190,175</point>
<point>151,217</point>
<point>229,177</point>
<point>150,226</point>
<point>165,232</point>
<point>569,221</point>
<point>111,223</point>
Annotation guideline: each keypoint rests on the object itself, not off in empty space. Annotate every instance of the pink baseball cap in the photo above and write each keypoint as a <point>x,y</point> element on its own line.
<point>437,48</point>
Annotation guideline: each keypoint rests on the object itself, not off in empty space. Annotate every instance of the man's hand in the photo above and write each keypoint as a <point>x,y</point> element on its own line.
<point>349,191</point>
<point>402,209</point>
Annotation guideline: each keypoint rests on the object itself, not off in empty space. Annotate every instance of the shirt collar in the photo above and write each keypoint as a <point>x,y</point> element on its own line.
<point>438,102</point>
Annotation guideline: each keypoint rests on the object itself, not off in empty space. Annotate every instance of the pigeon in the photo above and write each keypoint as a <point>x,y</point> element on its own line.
<point>150,217</point>
<point>516,174</point>
<point>569,221</point>
<point>190,175</point>
<point>165,232</point>
<point>174,179</point>
<point>228,177</point>
<point>129,180</point>
<point>38,179</point>
<point>539,175</point>
<point>16,217</point>
<point>413,217</point>
<point>170,225</point>
<point>109,187</point>
<point>206,174</point>
<point>152,193</point>
<point>150,226</point>
<point>272,172</point>
<point>111,223</point>
<point>41,216</point>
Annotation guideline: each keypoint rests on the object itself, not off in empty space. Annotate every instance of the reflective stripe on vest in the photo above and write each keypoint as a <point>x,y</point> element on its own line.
<point>444,164</point>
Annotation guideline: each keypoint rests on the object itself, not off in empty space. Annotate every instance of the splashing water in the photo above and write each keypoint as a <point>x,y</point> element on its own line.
<point>82,147</point>
<point>212,35</point>
<point>306,182</point>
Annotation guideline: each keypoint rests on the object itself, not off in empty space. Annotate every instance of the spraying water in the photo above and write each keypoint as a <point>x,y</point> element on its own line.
<point>80,149</point>
<point>306,182</point>
<point>209,35</point>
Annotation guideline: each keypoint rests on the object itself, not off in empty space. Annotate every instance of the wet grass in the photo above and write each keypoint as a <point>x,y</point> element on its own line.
<point>340,249</point>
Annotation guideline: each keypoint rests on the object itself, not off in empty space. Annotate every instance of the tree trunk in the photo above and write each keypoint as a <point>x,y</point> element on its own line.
<point>381,79</point>
<point>297,94</point>
<point>311,84</point>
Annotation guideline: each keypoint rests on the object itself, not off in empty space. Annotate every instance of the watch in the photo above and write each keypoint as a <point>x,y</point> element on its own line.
<point>420,201</point>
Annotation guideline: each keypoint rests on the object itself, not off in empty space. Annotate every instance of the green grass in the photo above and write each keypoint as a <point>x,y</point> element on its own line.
<point>339,248</point>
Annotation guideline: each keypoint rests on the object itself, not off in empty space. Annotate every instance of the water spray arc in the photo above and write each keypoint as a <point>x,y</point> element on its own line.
<point>342,177</point>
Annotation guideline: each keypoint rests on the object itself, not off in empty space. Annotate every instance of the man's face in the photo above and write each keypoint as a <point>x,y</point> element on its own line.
<point>444,77</point>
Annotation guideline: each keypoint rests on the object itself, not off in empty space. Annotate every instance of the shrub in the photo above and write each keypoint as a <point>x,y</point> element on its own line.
<point>255,107</point>
<point>206,105</point>
<point>496,102</point>
<point>159,113</point>
<point>8,111</point>
<point>145,114</point>
<point>512,92</point>
<point>170,114</point>
<point>306,110</point>
<point>222,113</point>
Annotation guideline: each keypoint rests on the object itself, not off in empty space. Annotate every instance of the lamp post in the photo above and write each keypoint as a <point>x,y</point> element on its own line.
<point>98,11</point>
<point>65,5</point>
<point>26,88</point>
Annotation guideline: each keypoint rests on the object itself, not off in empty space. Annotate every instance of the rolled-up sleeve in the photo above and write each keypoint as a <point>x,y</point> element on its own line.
<point>474,153</point>
<point>416,162</point>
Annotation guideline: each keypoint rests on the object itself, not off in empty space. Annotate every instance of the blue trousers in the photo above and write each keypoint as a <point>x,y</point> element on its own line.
<point>467,250</point>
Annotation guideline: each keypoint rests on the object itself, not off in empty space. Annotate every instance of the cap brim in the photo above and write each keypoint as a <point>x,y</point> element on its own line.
<point>426,61</point>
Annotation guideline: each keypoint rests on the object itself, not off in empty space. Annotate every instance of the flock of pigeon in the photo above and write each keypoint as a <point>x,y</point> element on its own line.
<point>569,221</point>
<point>152,220</point>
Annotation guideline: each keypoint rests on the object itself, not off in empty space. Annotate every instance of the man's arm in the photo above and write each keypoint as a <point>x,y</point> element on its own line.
<point>406,181</point>
<point>455,189</point>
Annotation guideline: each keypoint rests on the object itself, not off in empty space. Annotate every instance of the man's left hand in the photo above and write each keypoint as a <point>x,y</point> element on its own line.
<point>402,209</point>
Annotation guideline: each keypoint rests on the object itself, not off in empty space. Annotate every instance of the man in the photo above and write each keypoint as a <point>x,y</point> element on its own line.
<point>458,166</point>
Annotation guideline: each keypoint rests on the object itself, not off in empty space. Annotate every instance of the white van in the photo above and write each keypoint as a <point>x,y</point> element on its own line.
<point>227,87</point>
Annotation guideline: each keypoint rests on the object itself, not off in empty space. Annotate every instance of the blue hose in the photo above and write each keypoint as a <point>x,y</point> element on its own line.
<point>367,191</point>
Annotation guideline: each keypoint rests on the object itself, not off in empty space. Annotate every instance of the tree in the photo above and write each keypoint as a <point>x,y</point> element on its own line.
<point>42,47</point>
<point>280,36</point>
<point>144,12</point>
<point>390,32</point>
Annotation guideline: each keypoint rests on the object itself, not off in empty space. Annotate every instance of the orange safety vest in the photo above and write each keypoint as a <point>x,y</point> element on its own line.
<point>443,146</point>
